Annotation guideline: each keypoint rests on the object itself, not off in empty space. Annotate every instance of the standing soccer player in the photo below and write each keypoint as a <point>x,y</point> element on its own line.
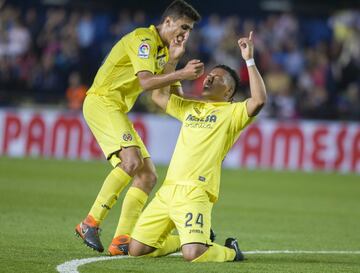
<point>209,128</point>
<point>138,62</point>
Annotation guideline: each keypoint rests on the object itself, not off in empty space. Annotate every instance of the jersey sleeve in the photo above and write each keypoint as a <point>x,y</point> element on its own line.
<point>176,84</point>
<point>141,49</point>
<point>177,107</point>
<point>240,118</point>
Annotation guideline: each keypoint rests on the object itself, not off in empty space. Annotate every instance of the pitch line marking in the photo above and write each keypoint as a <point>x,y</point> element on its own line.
<point>72,266</point>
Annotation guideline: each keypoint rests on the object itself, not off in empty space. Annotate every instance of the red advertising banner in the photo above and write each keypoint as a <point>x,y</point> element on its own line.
<point>301,145</point>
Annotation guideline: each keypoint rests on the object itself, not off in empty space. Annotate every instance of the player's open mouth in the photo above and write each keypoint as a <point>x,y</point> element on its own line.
<point>180,38</point>
<point>207,85</point>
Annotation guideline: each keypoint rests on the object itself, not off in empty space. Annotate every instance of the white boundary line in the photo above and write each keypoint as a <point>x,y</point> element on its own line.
<point>72,266</point>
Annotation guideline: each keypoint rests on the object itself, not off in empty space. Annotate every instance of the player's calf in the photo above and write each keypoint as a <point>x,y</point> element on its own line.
<point>137,248</point>
<point>192,251</point>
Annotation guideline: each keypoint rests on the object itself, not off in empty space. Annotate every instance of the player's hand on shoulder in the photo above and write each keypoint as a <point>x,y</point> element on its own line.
<point>246,45</point>
<point>193,70</point>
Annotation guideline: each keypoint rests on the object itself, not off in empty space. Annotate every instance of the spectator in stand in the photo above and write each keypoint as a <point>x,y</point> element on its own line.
<point>228,53</point>
<point>86,30</point>
<point>47,81</point>
<point>323,64</point>
<point>349,103</point>
<point>18,39</point>
<point>213,32</point>
<point>278,82</point>
<point>76,92</point>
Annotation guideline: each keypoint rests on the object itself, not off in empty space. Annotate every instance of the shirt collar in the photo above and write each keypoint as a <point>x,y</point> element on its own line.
<point>158,38</point>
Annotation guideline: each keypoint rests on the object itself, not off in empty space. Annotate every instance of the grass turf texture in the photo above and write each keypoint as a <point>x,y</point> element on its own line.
<point>41,201</point>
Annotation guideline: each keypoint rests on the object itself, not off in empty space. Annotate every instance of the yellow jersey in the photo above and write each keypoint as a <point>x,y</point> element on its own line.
<point>208,131</point>
<point>116,81</point>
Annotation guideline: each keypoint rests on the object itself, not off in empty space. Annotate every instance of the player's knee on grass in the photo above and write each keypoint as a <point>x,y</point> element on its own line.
<point>192,251</point>
<point>137,248</point>
<point>131,160</point>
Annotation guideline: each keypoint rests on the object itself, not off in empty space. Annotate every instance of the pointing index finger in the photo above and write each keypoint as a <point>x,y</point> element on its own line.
<point>250,35</point>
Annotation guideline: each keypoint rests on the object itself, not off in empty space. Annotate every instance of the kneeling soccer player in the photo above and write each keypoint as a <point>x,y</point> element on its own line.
<point>209,128</point>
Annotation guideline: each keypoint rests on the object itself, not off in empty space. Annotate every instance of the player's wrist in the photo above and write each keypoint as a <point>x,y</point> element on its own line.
<point>172,62</point>
<point>250,62</point>
<point>179,75</point>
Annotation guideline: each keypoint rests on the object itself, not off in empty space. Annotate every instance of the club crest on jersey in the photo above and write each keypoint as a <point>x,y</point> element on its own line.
<point>144,50</point>
<point>197,110</point>
<point>161,63</point>
<point>127,137</point>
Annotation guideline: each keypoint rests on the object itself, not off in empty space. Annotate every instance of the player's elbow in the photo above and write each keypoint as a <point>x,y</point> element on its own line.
<point>156,98</point>
<point>260,104</point>
<point>145,80</point>
<point>255,106</point>
<point>145,84</point>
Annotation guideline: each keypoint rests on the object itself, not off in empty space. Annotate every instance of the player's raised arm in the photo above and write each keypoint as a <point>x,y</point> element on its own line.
<point>257,86</point>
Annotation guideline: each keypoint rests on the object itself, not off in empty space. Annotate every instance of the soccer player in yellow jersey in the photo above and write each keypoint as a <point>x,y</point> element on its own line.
<point>209,129</point>
<point>138,62</point>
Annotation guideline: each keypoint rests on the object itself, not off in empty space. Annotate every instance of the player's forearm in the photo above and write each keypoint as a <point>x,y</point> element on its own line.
<point>161,96</point>
<point>257,86</point>
<point>159,81</point>
<point>193,70</point>
<point>174,89</point>
<point>170,66</point>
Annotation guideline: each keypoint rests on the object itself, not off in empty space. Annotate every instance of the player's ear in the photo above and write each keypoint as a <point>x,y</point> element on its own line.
<point>228,93</point>
<point>167,21</point>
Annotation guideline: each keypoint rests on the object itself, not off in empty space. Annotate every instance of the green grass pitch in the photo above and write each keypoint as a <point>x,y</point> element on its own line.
<point>41,201</point>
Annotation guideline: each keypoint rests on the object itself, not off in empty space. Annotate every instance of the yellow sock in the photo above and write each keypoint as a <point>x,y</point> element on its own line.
<point>133,204</point>
<point>171,245</point>
<point>216,253</point>
<point>114,183</point>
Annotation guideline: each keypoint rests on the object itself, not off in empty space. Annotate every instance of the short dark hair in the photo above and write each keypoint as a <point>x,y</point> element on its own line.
<point>178,9</point>
<point>233,75</point>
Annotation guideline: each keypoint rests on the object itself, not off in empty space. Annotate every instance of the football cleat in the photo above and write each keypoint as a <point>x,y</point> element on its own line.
<point>119,245</point>
<point>88,230</point>
<point>233,244</point>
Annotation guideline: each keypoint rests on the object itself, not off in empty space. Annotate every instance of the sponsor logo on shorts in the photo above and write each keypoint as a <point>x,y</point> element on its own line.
<point>127,137</point>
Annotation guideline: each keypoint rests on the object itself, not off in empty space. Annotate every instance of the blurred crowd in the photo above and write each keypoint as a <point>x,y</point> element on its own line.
<point>311,66</point>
